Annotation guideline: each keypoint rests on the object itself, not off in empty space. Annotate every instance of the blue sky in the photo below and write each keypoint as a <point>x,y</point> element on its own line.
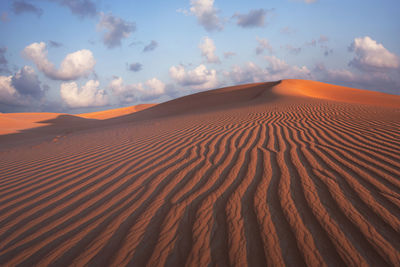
<point>86,55</point>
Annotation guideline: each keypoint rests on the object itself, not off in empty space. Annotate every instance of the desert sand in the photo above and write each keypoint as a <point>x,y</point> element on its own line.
<point>283,173</point>
<point>18,122</point>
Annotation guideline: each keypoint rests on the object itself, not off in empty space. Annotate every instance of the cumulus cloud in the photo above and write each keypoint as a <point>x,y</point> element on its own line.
<point>124,93</point>
<point>22,88</point>
<point>26,82</point>
<point>128,93</point>
<point>135,67</point>
<point>152,89</point>
<point>370,55</point>
<point>263,44</point>
<point>248,73</point>
<point>82,8</point>
<point>151,46</point>
<point>8,94</point>
<point>116,29</point>
<point>19,7</point>
<point>199,78</point>
<point>73,66</point>
<point>334,75</point>
<point>207,14</point>
<point>378,81</point>
<point>255,18</point>
<point>89,95</point>
<point>277,69</point>
<point>207,49</point>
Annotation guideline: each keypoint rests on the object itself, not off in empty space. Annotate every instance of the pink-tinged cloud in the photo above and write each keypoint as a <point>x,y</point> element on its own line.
<point>371,55</point>
<point>73,66</point>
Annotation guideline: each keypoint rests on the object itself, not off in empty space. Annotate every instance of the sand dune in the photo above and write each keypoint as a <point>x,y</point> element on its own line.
<point>288,173</point>
<point>113,113</point>
<point>16,122</point>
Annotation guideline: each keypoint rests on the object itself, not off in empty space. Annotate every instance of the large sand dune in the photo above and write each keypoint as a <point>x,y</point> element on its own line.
<point>288,173</point>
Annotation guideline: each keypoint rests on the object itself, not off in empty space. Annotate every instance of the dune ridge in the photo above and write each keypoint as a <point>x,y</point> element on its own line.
<point>267,174</point>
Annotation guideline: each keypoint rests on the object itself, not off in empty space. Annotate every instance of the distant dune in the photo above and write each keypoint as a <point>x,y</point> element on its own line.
<point>283,173</point>
<point>15,122</point>
<point>113,113</point>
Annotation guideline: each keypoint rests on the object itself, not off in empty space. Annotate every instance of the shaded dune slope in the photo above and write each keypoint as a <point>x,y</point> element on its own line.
<point>289,173</point>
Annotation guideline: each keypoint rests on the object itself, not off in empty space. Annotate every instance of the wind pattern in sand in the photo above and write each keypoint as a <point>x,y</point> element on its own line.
<point>253,179</point>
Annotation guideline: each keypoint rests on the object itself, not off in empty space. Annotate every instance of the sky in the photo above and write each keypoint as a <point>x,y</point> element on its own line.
<point>79,56</point>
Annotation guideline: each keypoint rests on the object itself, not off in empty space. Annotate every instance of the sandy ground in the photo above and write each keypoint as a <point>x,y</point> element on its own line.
<point>289,173</point>
<point>19,122</point>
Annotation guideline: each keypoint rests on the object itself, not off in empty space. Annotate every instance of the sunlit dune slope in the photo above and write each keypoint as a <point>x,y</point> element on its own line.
<point>113,113</point>
<point>290,173</point>
<point>320,90</point>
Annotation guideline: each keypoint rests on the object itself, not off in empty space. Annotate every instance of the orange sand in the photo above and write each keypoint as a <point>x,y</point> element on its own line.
<point>16,122</point>
<point>288,173</point>
<point>108,114</point>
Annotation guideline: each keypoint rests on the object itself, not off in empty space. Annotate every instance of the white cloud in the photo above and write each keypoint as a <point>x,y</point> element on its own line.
<point>248,73</point>
<point>152,89</point>
<point>378,81</point>
<point>255,18</point>
<point>126,93</point>
<point>207,49</point>
<point>276,70</point>
<point>8,94</point>
<point>74,65</point>
<point>89,95</point>
<point>263,44</point>
<point>116,29</point>
<point>22,88</point>
<point>279,69</point>
<point>206,14</point>
<point>199,78</point>
<point>371,55</point>
<point>27,83</point>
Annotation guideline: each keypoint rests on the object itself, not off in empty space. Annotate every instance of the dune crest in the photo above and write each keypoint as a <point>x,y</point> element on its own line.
<point>271,174</point>
<point>113,113</point>
<point>338,93</point>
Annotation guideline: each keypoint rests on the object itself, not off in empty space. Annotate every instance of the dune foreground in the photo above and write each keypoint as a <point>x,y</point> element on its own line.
<point>284,173</point>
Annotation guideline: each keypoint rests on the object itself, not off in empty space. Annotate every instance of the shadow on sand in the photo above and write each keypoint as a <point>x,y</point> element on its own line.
<point>208,101</point>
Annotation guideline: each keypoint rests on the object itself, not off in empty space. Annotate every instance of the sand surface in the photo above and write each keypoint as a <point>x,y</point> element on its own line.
<point>19,122</point>
<point>289,173</point>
